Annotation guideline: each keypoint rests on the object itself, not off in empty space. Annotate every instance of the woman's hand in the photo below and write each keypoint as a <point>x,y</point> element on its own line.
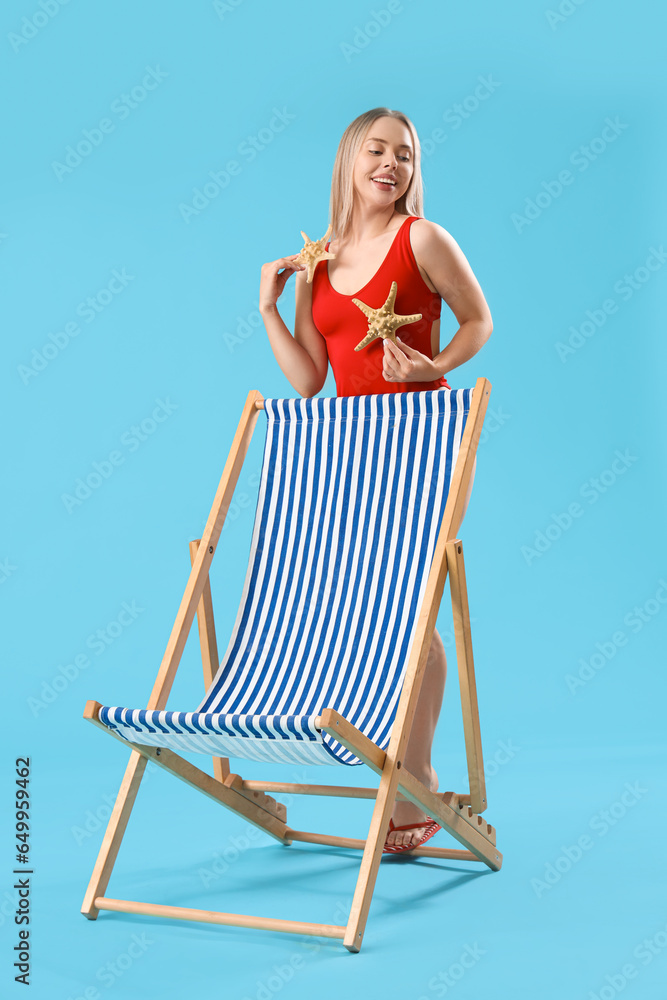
<point>272,282</point>
<point>405,364</point>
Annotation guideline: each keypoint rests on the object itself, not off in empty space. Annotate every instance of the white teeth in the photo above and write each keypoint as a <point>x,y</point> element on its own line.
<point>383,180</point>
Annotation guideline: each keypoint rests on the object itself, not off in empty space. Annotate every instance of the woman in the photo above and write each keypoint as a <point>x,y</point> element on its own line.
<point>380,236</point>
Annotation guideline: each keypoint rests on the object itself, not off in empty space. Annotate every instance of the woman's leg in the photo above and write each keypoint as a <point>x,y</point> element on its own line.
<point>418,753</point>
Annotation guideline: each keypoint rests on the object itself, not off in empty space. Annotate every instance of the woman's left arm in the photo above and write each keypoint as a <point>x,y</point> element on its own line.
<point>440,256</point>
<point>445,263</point>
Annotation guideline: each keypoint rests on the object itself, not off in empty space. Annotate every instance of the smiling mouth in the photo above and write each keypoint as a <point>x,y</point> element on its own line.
<point>384,183</point>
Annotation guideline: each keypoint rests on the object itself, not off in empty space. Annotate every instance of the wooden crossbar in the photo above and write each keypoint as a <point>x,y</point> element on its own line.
<point>338,791</point>
<point>426,851</point>
<point>214,917</point>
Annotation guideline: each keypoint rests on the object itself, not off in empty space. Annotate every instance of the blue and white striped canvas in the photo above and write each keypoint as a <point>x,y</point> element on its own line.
<point>351,498</point>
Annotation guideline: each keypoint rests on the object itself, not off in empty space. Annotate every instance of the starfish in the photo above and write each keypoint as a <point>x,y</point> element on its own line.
<point>314,252</point>
<point>383,322</point>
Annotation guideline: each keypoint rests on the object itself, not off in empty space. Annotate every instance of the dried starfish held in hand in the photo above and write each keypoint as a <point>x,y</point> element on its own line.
<point>314,252</point>
<point>383,322</point>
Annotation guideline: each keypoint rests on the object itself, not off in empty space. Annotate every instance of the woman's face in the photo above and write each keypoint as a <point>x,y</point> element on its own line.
<point>385,152</point>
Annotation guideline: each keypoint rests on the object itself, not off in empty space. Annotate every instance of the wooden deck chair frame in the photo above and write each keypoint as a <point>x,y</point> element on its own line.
<point>459,814</point>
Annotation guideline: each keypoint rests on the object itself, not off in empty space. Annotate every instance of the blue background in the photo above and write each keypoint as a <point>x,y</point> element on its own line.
<point>568,615</point>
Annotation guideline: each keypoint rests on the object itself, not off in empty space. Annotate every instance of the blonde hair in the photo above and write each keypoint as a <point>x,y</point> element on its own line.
<point>342,188</point>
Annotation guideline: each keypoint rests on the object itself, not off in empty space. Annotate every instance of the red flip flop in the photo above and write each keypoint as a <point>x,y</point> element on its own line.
<point>431,828</point>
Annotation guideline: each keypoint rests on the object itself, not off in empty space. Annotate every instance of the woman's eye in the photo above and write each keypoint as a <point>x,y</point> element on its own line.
<point>379,151</point>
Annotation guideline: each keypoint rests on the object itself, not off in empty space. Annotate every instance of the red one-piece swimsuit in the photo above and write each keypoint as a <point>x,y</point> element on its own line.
<point>343,325</point>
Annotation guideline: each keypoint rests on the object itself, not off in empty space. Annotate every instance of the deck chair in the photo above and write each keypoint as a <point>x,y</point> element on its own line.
<point>360,501</point>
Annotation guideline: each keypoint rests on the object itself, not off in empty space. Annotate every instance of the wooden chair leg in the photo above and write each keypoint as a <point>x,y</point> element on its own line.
<point>114,834</point>
<point>467,684</point>
<point>421,645</point>
<point>370,861</point>
<point>195,587</point>
<point>209,650</point>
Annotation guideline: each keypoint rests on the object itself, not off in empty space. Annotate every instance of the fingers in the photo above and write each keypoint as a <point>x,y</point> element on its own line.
<point>283,263</point>
<point>396,350</point>
<point>284,269</point>
<point>274,276</point>
<point>392,355</point>
<point>396,364</point>
<point>391,368</point>
<point>290,262</point>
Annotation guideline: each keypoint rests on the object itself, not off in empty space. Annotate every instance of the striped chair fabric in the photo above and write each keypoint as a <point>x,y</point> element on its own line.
<point>351,498</point>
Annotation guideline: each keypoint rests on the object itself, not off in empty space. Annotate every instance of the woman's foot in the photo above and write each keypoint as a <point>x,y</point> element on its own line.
<point>407,812</point>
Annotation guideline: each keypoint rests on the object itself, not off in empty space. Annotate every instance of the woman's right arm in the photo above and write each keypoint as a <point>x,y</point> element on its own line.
<point>303,357</point>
